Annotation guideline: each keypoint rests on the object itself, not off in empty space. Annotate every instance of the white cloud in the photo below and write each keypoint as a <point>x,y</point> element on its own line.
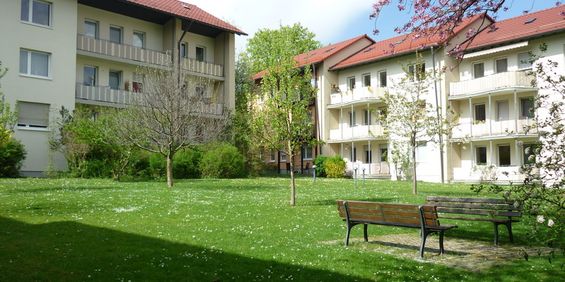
<point>324,18</point>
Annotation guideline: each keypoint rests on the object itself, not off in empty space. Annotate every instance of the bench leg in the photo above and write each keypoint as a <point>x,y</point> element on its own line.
<point>509,227</point>
<point>365,232</point>
<point>495,234</point>
<point>441,249</point>
<point>423,243</point>
<point>347,235</point>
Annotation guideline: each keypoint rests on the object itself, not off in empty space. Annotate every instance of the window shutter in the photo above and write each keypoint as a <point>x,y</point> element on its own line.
<point>33,114</point>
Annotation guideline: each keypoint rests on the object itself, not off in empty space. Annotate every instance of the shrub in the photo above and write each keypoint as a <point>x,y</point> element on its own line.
<point>319,163</point>
<point>334,167</point>
<point>186,164</point>
<point>223,161</point>
<point>157,165</point>
<point>12,154</point>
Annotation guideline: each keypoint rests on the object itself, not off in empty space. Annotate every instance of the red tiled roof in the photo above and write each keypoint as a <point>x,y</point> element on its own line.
<point>187,11</point>
<point>396,46</point>
<point>320,54</point>
<point>525,26</point>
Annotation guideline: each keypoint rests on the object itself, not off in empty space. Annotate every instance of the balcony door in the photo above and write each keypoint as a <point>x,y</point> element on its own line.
<point>114,79</point>
<point>90,76</point>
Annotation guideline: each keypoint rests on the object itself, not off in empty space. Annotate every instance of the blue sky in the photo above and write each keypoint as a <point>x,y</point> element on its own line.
<point>331,20</point>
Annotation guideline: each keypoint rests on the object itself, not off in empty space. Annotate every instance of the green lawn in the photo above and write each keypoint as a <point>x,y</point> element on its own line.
<point>214,230</point>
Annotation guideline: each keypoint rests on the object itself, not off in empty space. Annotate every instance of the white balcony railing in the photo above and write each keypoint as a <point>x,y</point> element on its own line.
<point>356,132</point>
<point>206,68</point>
<point>497,128</point>
<point>357,94</point>
<point>121,51</point>
<point>370,169</point>
<point>504,80</point>
<point>119,98</point>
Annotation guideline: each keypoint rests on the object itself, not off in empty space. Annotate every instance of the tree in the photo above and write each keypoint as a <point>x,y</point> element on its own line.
<point>410,119</point>
<point>8,118</point>
<point>172,111</point>
<point>282,121</point>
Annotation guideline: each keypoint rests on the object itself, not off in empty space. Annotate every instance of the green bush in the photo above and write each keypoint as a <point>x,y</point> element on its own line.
<point>319,163</point>
<point>186,164</point>
<point>223,161</point>
<point>12,154</point>
<point>334,167</point>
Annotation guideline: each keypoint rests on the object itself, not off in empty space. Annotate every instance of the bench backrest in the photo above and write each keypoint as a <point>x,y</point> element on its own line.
<point>474,206</point>
<point>385,213</point>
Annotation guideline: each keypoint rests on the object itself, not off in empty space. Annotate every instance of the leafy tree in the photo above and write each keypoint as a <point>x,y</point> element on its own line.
<point>410,119</point>
<point>169,114</point>
<point>8,118</point>
<point>282,121</point>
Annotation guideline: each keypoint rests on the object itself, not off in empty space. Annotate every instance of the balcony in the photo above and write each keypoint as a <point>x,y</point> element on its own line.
<point>136,55</point>
<point>358,95</point>
<point>360,132</point>
<point>106,48</point>
<point>492,83</point>
<point>494,129</point>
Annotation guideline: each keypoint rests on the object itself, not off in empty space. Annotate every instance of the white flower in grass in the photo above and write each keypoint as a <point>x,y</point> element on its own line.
<point>540,219</point>
<point>550,223</point>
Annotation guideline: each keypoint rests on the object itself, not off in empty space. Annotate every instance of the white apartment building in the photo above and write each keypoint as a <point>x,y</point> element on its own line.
<point>489,90</point>
<point>61,53</point>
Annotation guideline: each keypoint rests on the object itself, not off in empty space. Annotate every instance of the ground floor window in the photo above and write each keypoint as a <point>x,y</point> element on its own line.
<point>368,155</point>
<point>481,155</point>
<point>283,156</point>
<point>504,155</point>
<point>307,152</point>
<point>33,115</point>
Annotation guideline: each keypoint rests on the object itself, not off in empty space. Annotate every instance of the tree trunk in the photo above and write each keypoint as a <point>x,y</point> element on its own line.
<point>169,171</point>
<point>292,181</point>
<point>414,180</point>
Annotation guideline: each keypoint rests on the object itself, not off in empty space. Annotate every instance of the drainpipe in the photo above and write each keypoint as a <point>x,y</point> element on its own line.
<point>438,114</point>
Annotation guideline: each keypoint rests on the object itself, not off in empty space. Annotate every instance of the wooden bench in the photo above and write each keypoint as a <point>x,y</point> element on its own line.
<point>411,216</point>
<point>497,211</point>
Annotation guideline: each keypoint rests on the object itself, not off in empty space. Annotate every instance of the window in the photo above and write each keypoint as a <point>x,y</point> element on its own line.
<point>527,107</point>
<point>307,152</point>
<point>367,117</point>
<point>501,65</point>
<point>367,80</point>
<point>283,156</point>
<point>480,113</point>
<point>417,71</point>
<point>354,154</point>
<point>116,34</point>
<point>352,119</point>
<point>478,70</point>
<point>200,53</point>
<point>504,155</point>
<point>351,83</point>
<point>481,155</point>
<point>530,153</point>
<point>91,28</point>
<point>183,50</point>
<point>384,154</point>
<point>382,79</point>
<point>90,75</point>
<point>34,63</point>
<point>368,154</point>
<point>502,110</point>
<point>33,115</point>
<point>36,11</point>
<point>137,84</point>
<point>138,39</point>
<point>524,61</point>
<point>272,155</point>
<point>115,79</point>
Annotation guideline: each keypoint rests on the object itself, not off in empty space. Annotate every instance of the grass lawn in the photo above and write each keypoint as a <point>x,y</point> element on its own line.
<point>212,230</point>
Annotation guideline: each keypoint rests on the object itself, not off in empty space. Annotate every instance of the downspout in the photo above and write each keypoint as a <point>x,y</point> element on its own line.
<point>438,114</point>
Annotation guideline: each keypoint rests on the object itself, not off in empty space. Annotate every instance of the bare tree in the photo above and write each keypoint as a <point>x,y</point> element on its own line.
<point>172,110</point>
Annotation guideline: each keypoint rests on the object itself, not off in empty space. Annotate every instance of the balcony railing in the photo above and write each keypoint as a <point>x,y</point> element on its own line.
<point>357,95</point>
<point>356,132</point>
<point>121,51</point>
<point>104,95</point>
<point>370,169</point>
<point>499,81</point>
<point>206,68</point>
<point>497,128</point>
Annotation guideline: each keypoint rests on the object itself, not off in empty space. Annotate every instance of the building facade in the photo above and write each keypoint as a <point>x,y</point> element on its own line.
<point>61,53</point>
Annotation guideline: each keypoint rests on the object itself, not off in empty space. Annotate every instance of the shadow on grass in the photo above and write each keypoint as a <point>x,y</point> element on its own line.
<point>73,251</point>
<point>59,189</point>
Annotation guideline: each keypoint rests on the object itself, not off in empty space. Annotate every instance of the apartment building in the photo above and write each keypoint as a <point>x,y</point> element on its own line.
<point>61,53</point>
<point>489,90</point>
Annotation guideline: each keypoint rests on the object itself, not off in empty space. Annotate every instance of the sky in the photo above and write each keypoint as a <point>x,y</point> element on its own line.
<point>331,20</point>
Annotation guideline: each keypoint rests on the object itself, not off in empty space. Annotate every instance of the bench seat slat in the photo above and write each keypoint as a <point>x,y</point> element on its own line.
<point>466,200</point>
<point>477,212</point>
<point>474,205</point>
<point>499,220</point>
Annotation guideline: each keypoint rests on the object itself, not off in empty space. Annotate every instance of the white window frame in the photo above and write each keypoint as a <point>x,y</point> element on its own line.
<point>473,69</point>
<point>203,53</point>
<point>143,37</point>
<point>283,156</point>
<point>28,73</point>
<point>30,14</point>
<point>305,150</point>
<point>97,31</point>
<point>477,154</point>
<point>379,79</point>
<point>363,77</point>
<point>350,85</point>
<point>496,65</point>
<point>475,112</point>
<point>520,63</point>
<point>498,103</point>
<point>96,78</point>
<point>121,41</point>
<point>33,127</point>
<point>120,79</point>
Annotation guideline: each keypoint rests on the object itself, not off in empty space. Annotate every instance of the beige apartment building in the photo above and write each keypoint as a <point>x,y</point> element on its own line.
<point>61,53</point>
<point>489,91</point>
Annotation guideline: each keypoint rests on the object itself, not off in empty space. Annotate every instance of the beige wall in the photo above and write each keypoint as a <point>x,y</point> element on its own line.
<point>58,90</point>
